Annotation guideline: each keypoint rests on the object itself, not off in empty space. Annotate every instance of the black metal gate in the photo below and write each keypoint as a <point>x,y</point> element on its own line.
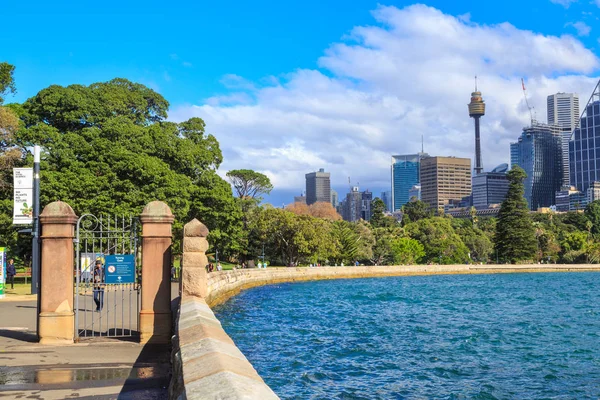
<point>103,308</point>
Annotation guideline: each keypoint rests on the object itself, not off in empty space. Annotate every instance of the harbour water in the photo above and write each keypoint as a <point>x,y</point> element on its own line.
<point>504,336</point>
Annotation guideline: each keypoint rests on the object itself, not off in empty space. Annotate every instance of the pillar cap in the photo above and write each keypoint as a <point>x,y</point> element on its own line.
<point>157,212</point>
<point>58,212</point>
<point>195,228</point>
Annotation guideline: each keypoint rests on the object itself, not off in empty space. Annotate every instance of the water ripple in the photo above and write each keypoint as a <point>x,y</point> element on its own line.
<point>500,336</point>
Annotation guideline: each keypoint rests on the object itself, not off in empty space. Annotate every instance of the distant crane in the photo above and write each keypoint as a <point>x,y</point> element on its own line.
<point>527,102</point>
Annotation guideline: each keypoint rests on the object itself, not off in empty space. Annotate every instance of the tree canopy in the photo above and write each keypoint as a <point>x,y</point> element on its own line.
<point>249,184</point>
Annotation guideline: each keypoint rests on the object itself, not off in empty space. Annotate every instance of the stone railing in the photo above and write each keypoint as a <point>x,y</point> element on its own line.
<point>206,362</point>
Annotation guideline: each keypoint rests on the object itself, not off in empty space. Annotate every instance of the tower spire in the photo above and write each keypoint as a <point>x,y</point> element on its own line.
<point>476,111</point>
<point>475,82</point>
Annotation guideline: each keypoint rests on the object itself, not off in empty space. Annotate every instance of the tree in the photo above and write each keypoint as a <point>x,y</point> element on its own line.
<point>377,210</point>
<point>249,184</point>
<point>414,211</point>
<point>325,210</point>
<point>592,212</point>
<point>382,248</point>
<point>108,149</point>
<point>7,81</point>
<point>440,241</point>
<point>515,234</point>
<point>407,251</point>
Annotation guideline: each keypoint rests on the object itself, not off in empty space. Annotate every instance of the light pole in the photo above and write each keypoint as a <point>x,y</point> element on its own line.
<point>217,256</point>
<point>35,242</point>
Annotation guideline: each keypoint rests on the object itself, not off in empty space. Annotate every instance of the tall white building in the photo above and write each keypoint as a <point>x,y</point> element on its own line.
<point>563,110</point>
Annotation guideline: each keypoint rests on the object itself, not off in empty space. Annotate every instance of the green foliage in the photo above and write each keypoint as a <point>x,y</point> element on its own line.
<point>378,219</point>
<point>7,81</point>
<point>414,211</point>
<point>407,251</point>
<point>592,213</point>
<point>382,248</point>
<point>440,241</point>
<point>515,234</point>
<point>479,244</point>
<point>249,184</point>
<point>108,149</point>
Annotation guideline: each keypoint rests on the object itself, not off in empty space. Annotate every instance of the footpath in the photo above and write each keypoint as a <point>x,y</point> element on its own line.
<point>98,368</point>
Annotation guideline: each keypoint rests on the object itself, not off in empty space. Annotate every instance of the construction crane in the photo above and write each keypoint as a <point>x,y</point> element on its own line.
<point>527,102</point>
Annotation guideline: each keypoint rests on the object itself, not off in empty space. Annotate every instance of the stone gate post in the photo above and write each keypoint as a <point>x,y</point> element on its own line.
<point>194,260</point>
<point>56,319</point>
<point>155,315</point>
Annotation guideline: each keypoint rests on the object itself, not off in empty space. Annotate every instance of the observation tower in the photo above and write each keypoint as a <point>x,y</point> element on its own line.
<point>476,111</point>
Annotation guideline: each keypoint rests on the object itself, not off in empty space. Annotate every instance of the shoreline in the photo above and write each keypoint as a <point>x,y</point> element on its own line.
<point>222,285</point>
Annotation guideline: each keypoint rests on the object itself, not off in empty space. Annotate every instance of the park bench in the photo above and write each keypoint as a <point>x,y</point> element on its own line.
<point>25,275</point>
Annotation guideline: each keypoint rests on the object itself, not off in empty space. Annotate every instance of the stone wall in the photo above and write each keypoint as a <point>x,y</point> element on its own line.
<point>224,284</point>
<point>206,362</point>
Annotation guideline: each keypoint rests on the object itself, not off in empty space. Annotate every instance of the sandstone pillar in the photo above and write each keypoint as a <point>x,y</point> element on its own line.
<point>56,319</point>
<point>155,314</point>
<point>194,261</point>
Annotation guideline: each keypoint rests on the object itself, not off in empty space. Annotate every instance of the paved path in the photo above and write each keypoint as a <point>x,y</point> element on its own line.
<point>92,369</point>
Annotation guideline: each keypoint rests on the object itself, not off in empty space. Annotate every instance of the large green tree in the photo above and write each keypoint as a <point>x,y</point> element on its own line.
<point>515,233</point>
<point>107,148</point>
<point>592,212</point>
<point>440,241</point>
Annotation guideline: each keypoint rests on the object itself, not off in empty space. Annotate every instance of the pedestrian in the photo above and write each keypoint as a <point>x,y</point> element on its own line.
<point>259,265</point>
<point>219,267</point>
<point>98,285</point>
<point>10,273</point>
<point>173,271</point>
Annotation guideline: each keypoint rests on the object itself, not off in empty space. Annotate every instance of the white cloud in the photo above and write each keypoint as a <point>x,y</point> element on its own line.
<point>564,3</point>
<point>376,93</point>
<point>186,64</point>
<point>581,27</point>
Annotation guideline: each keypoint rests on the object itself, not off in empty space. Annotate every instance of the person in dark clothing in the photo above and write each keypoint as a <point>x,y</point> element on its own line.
<point>98,285</point>
<point>10,273</point>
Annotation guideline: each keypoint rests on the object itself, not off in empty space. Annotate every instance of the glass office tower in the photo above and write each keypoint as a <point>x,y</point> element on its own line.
<point>405,174</point>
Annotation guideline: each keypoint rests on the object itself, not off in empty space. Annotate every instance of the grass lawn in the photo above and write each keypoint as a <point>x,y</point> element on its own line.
<point>20,288</point>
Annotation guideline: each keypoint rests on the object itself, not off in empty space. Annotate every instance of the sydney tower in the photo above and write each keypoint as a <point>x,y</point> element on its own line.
<point>476,111</point>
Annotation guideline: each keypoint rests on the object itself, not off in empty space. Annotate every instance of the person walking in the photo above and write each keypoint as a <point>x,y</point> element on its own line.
<point>10,273</point>
<point>98,285</point>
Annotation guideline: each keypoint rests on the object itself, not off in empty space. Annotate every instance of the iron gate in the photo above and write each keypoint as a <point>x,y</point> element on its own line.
<point>104,309</point>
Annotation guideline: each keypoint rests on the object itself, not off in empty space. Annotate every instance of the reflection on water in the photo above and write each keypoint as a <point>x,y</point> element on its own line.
<point>24,375</point>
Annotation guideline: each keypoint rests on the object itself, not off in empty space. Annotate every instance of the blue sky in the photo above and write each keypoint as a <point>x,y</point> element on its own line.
<point>267,54</point>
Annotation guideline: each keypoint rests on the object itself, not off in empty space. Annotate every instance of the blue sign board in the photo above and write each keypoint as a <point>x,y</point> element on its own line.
<point>119,268</point>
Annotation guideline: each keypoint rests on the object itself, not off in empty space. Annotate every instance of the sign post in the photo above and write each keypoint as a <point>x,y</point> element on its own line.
<point>23,196</point>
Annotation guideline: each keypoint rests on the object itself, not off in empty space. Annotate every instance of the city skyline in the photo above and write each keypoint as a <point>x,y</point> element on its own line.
<point>270,110</point>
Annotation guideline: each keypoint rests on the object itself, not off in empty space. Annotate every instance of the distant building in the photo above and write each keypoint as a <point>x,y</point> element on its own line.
<point>570,199</point>
<point>334,199</point>
<point>386,197</point>
<point>539,153</point>
<point>318,187</point>
<point>367,198</point>
<point>405,174</point>
<point>414,193</point>
<point>300,199</point>
<point>445,180</point>
<point>593,192</point>
<point>584,147</point>
<point>563,111</point>
<point>352,206</point>
<point>490,187</point>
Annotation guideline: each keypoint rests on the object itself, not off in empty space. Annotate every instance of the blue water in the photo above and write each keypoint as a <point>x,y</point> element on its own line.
<point>506,336</point>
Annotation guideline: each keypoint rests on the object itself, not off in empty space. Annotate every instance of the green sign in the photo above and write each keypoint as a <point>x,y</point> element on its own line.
<point>2,270</point>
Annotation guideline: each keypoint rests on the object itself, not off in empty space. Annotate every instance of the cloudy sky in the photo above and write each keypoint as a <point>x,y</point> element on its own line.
<point>290,89</point>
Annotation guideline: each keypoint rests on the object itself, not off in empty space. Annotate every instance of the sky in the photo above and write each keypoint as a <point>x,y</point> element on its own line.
<point>290,87</point>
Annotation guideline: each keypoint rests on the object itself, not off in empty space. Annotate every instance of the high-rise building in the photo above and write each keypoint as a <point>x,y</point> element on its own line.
<point>352,205</point>
<point>367,198</point>
<point>386,197</point>
<point>476,111</point>
<point>445,180</point>
<point>405,175</point>
<point>300,199</point>
<point>539,153</point>
<point>318,187</point>
<point>490,187</point>
<point>570,199</point>
<point>414,193</point>
<point>334,199</point>
<point>593,192</point>
<point>563,111</point>
<point>584,147</point>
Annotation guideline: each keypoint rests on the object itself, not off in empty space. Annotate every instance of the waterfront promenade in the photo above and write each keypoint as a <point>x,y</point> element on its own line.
<point>94,368</point>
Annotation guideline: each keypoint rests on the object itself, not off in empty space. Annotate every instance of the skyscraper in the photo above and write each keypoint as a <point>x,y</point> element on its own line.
<point>367,198</point>
<point>386,197</point>
<point>584,147</point>
<point>318,187</point>
<point>405,174</point>
<point>563,111</point>
<point>445,180</point>
<point>352,205</point>
<point>539,152</point>
<point>476,111</point>
<point>490,187</point>
<point>334,199</point>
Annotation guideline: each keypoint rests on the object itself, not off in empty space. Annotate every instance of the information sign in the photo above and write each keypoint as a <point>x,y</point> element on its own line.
<point>119,268</point>
<point>23,196</point>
